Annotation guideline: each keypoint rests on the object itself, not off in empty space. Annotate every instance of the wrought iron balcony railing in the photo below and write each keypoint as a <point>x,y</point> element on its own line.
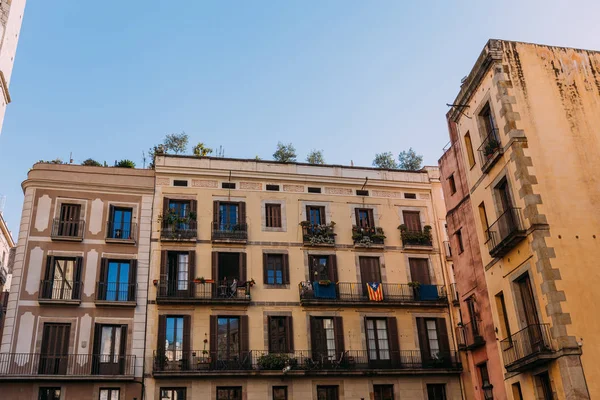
<point>67,229</point>
<point>66,365</point>
<point>60,290</point>
<point>179,230</point>
<point>189,291</point>
<point>301,361</point>
<point>348,292</point>
<point>117,292</point>
<point>469,335</point>
<point>118,231</point>
<point>490,150</point>
<point>505,232</point>
<point>524,346</point>
<point>227,232</point>
<point>416,238</point>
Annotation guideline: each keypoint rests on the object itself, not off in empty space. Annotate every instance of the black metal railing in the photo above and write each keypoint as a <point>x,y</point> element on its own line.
<point>532,340</point>
<point>179,230</point>
<point>115,291</point>
<point>318,235</point>
<point>367,236</point>
<point>33,364</point>
<point>196,290</point>
<point>120,230</point>
<point>469,335</point>
<point>60,289</point>
<point>359,292</point>
<point>454,293</point>
<point>302,360</point>
<point>221,231</point>
<point>416,238</point>
<point>447,249</point>
<point>72,229</point>
<point>503,232</point>
<point>489,149</point>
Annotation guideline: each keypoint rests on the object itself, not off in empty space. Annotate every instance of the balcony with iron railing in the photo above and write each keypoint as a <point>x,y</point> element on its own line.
<point>118,232</point>
<point>454,295</point>
<point>318,235</point>
<point>505,233</point>
<point>202,292</point>
<point>14,366</point>
<point>302,362</point>
<point>447,249</point>
<point>469,335</point>
<point>365,236</point>
<point>490,150</point>
<point>527,348</point>
<point>359,294</point>
<point>60,291</point>
<point>417,239</point>
<point>236,233</point>
<point>71,230</point>
<point>115,294</point>
<point>179,231</point>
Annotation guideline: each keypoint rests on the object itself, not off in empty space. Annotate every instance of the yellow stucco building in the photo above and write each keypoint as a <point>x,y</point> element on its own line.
<point>527,118</point>
<point>293,281</point>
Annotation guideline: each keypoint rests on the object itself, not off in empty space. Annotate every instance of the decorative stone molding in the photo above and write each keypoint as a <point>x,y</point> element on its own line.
<point>204,183</point>
<point>163,181</point>
<point>385,193</point>
<point>293,188</point>
<point>250,186</point>
<point>339,191</point>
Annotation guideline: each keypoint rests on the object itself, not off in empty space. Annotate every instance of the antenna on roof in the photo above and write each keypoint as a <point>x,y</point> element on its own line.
<point>71,158</point>
<point>351,163</point>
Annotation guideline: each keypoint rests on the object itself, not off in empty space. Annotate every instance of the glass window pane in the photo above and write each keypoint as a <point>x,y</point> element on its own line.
<point>329,336</point>
<point>117,349</point>
<point>182,272</point>
<point>105,343</point>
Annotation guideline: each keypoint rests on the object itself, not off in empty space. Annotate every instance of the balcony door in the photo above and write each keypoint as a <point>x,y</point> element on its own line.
<point>68,224</point>
<point>229,273</point>
<point>110,344</point>
<point>315,215</point>
<point>229,216</point>
<point>181,208</point>
<point>229,342</point>
<point>117,277</point>
<point>327,339</point>
<point>506,221</point>
<point>54,357</point>
<point>412,221</point>
<point>120,223</point>
<point>364,218</point>
<point>174,342</point>
<point>177,270</point>
<point>62,278</point>
<point>322,267</point>
<point>419,270</point>
<point>369,272</point>
<point>529,316</point>
<point>433,340</point>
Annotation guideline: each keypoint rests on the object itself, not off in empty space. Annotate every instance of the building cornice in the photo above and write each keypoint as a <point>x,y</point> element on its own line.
<point>85,187</point>
<point>6,232</point>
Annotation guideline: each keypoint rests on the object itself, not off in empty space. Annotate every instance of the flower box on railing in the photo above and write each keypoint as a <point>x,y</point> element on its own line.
<point>416,238</point>
<point>318,234</point>
<point>367,236</point>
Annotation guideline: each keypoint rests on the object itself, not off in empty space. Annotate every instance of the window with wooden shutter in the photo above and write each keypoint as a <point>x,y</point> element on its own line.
<point>419,270</point>
<point>273,215</point>
<point>412,221</point>
<point>364,218</point>
<point>316,215</point>
<point>436,391</point>
<point>383,392</point>
<point>276,270</point>
<point>278,334</point>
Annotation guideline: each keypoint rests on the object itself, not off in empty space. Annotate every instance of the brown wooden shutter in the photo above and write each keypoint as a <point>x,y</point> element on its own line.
<point>339,335</point>
<point>49,273</point>
<point>313,333</point>
<point>213,336</point>
<point>95,348</point>
<point>132,280</point>
<point>187,335</point>
<point>191,272</point>
<point>393,340</point>
<point>214,266</point>
<point>123,348</point>
<point>419,270</point>
<point>412,220</point>
<point>165,209</point>
<point>308,213</point>
<point>442,333</point>
<point>332,270</point>
<point>357,215</point>
<point>322,215</point>
<point>77,278</point>
<point>103,284</point>
<point>265,263</point>
<point>243,267</point>
<point>242,216</point>
<point>194,206</point>
<point>163,266</point>
<point>162,334</point>
<point>423,341</point>
<point>216,212</point>
<point>289,331</point>
<point>277,215</point>
<point>371,219</point>
<point>286,269</point>
<point>244,335</point>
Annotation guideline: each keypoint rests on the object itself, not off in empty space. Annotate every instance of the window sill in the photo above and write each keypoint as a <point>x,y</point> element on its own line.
<point>114,303</point>
<point>67,302</point>
<point>272,286</point>
<point>119,241</point>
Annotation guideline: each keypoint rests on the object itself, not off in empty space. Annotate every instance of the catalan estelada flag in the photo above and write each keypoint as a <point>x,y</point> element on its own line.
<point>375,291</point>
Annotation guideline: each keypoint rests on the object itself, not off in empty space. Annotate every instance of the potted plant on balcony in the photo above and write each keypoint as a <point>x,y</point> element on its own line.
<point>200,280</point>
<point>275,361</point>
<point>419,238</point>
<point>490,148</point>
<point>318,235</point>
<point>325,282</point>
<point>415,288</point>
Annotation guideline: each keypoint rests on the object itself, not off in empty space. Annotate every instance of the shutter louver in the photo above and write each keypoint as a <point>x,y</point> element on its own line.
<point>339,335</point>
<point>392,324</point>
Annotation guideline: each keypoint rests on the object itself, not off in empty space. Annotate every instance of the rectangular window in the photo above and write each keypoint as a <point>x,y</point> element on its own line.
<point>412,220</point>
<point>274,188</point>
<point>172,393</point>
<point>55,347</point>
<point>273,215</point>
<point>314,190</point>
<point>61,282</point>
<point>484,221</point>
<point>410,195</point>
<point>181,209</point>
<point>383,392</point>
<point>364,218</point>
<point>115,280</point>
<point>69,221</point>
<point>120,223</point>
<point>49,393</point>
<point>436,391</point>
<point>362,192</point>
<point>487,119</point>
<point>280,334</point>
<point>109,349</point>
<point>174,338</point>
<point>323,338</point>
<point>378,339</point>
<point>544,387</point>
<point>516,390</point>
<point>109,394</point>
<point>228,338</point>
<point>181,183</point>
<point>452,184</point>
<point>280,393</point>
<point>469,148</point>
<point>229,393</point>
<point>228,185</point>
<point>228,216</point>
<point>503,316</point>
<point>459,241</point>
<point>419,270</point>
<point>432,337</point>
<point>321,267</point>
<point>315,215</point>
<point>327,392</point>
<point>275,271</point>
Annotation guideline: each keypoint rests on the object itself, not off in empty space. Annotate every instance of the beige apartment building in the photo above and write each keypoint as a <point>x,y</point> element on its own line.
<point>293,281</point>
<point>526,121</point>
<point>6,255</point>
<point>75,322</point>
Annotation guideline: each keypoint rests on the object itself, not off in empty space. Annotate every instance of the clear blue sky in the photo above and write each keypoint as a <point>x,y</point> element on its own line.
<point>109,79</point>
